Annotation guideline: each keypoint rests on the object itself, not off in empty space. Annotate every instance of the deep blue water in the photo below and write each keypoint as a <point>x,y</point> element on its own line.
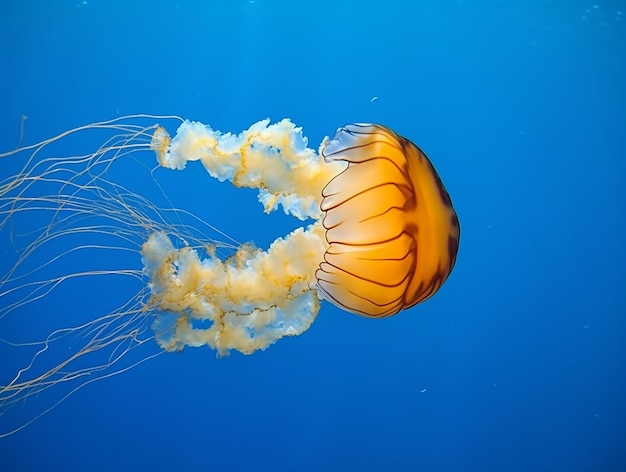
<point>517,364</point>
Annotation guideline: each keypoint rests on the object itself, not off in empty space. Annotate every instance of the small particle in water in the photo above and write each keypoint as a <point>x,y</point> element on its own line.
<point>373,99</point>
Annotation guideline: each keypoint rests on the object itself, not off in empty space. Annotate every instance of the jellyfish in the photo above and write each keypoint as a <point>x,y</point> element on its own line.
<point>379,235</point>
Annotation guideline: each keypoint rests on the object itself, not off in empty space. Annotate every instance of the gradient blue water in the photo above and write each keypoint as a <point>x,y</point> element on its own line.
<point>517,364</point>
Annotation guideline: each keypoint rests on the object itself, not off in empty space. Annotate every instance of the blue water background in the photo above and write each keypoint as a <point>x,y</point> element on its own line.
<point>517,364</point>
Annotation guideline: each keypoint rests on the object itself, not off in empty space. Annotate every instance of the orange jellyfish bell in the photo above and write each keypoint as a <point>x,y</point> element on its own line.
<point>392,231</point>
